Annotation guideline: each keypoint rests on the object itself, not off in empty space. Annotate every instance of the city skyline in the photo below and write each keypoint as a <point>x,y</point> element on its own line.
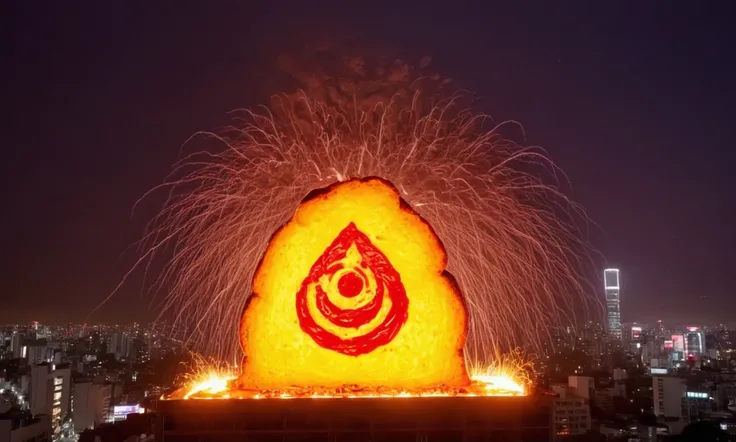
<point>417,221</point>
<point>78,380</point>
<point>640,136</point>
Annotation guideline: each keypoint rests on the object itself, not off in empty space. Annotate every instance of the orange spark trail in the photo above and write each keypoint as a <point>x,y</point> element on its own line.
<point>510,233</point>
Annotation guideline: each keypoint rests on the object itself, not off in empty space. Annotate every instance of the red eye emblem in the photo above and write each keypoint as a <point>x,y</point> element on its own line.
<point>352,284</point>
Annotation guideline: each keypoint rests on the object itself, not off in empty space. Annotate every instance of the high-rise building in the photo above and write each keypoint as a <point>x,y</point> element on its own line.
<point>38,352</point>
<point>636,333</point>
<point>16,345</point>
<point>122,346</point>
<point>50,392</point>
<point>612,283</point>
<point>593,343</point>
<point>694,340</point>
<point>95,342</point>
<point>571,412</point>
<point>659,330</point>
<point>91,404</point>
<point>668,393</point>
<point>695,403</point>
<point>678,342</point>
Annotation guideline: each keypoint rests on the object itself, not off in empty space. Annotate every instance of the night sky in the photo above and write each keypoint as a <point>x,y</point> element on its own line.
<point>634,103</point>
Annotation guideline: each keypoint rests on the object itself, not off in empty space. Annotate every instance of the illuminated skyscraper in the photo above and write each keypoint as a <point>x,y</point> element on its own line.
<point>612,282</point>
<point>694,341</point>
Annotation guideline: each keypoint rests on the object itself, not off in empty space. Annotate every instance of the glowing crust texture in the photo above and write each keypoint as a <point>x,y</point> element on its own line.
<point>353,291</point>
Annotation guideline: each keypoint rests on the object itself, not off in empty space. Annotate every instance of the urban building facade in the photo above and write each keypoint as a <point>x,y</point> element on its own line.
<point>91,405</point>
<point>571,412</point>
<point>50,392</point>
<point>668,393</point>
<point>694,342</point>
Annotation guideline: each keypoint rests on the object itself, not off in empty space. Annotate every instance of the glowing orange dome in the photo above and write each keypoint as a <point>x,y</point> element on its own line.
<point>353,291</point>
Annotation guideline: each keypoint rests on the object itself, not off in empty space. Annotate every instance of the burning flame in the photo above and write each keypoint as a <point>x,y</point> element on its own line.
<point>213,384</point>
<point>507,377</point>
<point>509,371</point>
<point>218,386</point>
<point>208,377</point>
<point>500,383</point>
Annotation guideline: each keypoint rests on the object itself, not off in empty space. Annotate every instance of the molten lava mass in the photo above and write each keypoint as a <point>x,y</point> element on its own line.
<point>353,291</point>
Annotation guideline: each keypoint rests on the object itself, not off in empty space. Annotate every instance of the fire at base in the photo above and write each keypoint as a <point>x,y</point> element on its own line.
<point>351,299</point>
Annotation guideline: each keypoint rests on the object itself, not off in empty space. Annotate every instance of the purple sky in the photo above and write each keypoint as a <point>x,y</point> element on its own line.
<point>635,103</point>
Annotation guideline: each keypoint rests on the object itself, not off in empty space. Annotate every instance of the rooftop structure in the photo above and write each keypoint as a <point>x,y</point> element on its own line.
<point>506,419</point>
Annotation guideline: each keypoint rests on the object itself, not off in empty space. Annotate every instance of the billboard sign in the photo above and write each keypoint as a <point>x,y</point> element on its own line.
<point>121,412</point>
<point>635,333</point>
<point>678,343</point>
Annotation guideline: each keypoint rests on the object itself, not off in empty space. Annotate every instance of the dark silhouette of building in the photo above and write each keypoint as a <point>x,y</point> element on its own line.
<point>507,419</point>
<point>135,425</point>
<point>703,431</point>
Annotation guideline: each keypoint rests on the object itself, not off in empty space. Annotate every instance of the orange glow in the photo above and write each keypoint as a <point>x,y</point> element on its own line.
<point>374,305</point>
<point>500,383</point>
<point>510,371</point>
<point>507,376</point>
<point>351,300</point>
<point>207,377</point>
<point>214,386</point>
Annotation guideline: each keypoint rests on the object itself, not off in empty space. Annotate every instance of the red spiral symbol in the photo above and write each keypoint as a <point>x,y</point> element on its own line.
<point>373,272</point>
